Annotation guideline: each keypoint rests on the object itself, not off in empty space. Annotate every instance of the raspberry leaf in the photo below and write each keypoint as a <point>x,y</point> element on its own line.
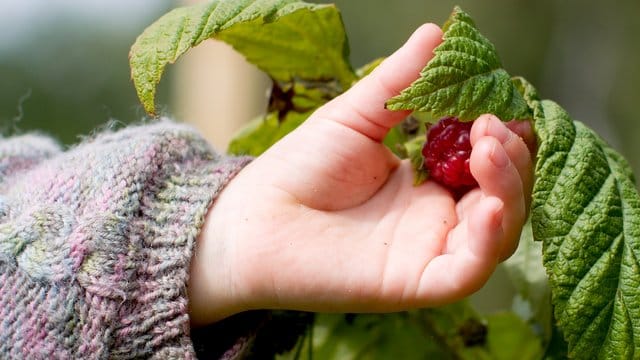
<point>465,78</point>
<point>290,104</point>
<point>586,211</point>
<point>528,92</point>
<point>261,133</point>
<point>287,39</point>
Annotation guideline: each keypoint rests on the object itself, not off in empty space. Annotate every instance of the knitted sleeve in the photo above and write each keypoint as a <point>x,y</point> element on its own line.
<point>95,241</point>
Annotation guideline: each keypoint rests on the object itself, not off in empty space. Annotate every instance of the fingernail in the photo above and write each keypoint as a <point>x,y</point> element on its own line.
<point>498,129</point>
<point>499,157</point>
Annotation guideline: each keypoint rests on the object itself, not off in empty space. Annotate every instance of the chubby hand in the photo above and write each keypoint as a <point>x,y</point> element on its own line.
<point>328,219</point>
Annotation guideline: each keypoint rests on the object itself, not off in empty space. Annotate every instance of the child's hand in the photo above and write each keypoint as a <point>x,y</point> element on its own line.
<point>328,218</point>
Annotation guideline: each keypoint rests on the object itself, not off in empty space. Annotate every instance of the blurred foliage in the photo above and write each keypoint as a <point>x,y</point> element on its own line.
<point>454,331</point>
<point>67,76</point>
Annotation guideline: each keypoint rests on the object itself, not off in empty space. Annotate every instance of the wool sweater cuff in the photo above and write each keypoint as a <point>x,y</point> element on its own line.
<point>96,242</point>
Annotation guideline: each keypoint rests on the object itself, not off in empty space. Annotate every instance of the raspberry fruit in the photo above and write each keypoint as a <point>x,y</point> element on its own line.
<point>446,155</point>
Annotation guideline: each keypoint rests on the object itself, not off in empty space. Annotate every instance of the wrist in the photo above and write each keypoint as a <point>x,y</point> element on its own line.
<point>213,282</point>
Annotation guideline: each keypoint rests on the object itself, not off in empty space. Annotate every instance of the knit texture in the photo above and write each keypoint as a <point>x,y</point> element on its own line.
<point>96,241</point>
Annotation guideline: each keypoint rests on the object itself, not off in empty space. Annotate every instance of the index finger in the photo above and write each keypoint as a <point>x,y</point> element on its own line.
<point>362,108</point>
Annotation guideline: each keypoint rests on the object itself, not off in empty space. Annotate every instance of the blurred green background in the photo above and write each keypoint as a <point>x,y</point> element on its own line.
<point>64,70</point>
<point>63,63</point>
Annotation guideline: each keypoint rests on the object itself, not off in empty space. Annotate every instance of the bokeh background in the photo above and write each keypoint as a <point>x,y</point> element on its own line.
<point>64,68</point>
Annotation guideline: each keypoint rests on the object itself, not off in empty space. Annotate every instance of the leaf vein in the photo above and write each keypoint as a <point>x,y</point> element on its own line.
<point>622,298</point>
<point>488,49</point>
<point>480,99</point>
<point>241,11</point>
<point>457,84</point>
<point>470,57</point>
<point>181,31</point>
<point>205,24</point>
<point>583,211</point>
<point>564,170</point>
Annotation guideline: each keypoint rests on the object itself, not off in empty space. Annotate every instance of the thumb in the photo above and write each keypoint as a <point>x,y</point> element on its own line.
<point>362,108</point>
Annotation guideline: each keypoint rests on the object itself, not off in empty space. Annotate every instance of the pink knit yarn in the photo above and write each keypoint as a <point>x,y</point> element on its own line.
<point>95,242</point>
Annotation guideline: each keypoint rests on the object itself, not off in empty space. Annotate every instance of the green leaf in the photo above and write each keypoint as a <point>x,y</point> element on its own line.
<point>586,211</point>
<point>458,329</point>
<point>367,68</point>
<point>263,132</point>
<point>465,78</point>
<point>528,92</point>
<point>413,148</point>
<point>394,141</point>
<point>289,106</point>
<point>511,338</point>
<point>407,139</point>
<point>287,39</point>
<point>450,332</point>
<point>533,300</point>
<point>300,96</point>
<point>468,336</point>
<point>366,336</point>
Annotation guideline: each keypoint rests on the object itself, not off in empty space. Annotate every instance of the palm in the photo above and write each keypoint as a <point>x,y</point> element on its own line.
<point>328,219</point>
<point>355,233</point>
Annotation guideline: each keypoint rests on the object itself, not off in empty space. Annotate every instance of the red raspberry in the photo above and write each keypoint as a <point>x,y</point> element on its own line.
<point>446,155</point>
